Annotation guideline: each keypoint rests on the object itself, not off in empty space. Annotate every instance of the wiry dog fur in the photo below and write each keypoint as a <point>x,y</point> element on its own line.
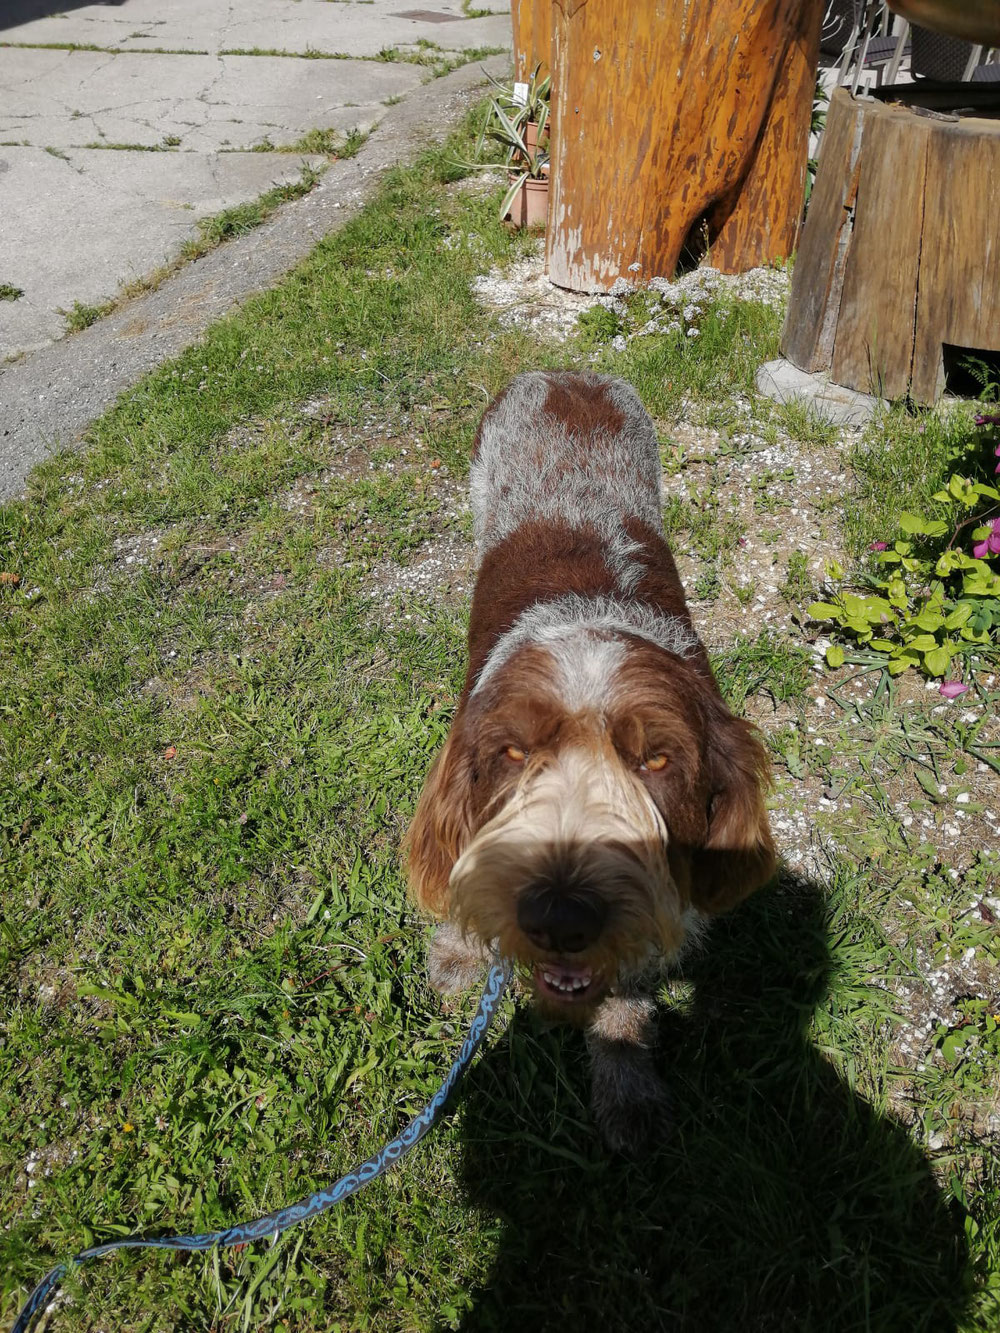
<point>595,800</point>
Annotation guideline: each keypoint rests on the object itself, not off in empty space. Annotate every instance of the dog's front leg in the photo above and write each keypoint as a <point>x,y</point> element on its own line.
<point>629,1100</point>
<point>455,962</point>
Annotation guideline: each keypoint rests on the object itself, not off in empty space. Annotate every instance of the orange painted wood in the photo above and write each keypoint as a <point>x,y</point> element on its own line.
<point>761,219</point>
<point>659,110</point>
<point>532,24</point>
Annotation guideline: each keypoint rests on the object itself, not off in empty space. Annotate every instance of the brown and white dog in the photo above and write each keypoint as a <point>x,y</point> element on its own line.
<point>595,800</point>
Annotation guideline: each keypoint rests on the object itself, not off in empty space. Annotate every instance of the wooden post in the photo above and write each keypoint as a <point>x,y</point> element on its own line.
<point>899,254</point>
<point>670,116</point>
<point>532,23</point>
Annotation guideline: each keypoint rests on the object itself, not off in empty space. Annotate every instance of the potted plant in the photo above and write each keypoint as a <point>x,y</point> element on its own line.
<point>520,125</point>
<point>527,105</point>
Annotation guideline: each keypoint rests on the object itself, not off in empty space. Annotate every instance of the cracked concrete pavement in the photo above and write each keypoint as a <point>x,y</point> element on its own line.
<point>124,123</point>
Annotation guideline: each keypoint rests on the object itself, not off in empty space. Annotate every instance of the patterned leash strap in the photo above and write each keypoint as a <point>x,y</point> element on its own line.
<point>272,1224</point>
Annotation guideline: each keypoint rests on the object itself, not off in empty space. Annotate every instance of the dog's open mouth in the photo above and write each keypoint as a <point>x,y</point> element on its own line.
<point>564,983</point>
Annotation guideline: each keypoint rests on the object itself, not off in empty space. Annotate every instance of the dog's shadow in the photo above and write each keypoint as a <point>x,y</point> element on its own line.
<point>780,1201</point>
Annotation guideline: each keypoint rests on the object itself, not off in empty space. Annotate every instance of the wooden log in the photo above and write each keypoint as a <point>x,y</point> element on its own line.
<point>900,255</point>
<point>532,24</point>
<point>818,275</point>
<point>761,219</point>
<point>873,347</point>
<point>959,280</point>
<point>660,109</point>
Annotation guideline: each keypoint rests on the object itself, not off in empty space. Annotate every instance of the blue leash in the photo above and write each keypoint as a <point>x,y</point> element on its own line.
<point>272,1224</point>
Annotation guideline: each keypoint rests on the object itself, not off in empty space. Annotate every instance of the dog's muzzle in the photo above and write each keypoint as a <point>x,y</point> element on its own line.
<point>558,921</point>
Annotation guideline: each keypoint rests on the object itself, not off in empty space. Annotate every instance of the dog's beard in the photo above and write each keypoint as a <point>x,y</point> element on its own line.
<point>584,823</point>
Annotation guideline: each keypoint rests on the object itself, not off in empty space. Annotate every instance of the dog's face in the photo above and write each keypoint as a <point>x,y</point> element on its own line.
<point>594,798</point>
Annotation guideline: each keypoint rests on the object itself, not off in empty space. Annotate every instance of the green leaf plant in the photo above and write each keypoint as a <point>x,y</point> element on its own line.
<point>931,603</point>
<point>506,124</point>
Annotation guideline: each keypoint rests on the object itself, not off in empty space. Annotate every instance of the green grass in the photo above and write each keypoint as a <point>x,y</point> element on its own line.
<point>423,52</point>
<point>215,719</point>
<point>81,315</point>
<point>104,50</point>
<point>901,459</point>
<point>329,143</point>
<point>241,218</point>
<point>8,292</point>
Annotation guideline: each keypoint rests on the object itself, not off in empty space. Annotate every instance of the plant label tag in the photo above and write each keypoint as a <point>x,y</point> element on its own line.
<point>520,94</point>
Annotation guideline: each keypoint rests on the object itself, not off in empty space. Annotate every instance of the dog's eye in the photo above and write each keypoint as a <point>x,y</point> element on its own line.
<point>515,754</point>
<point>656,763</point>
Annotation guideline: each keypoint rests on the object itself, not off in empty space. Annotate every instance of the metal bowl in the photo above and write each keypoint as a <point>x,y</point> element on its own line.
<point>976,21</point>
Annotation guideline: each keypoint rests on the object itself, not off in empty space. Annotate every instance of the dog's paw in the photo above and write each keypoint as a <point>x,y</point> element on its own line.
<point>454,963</point>
<point>630,1104</point>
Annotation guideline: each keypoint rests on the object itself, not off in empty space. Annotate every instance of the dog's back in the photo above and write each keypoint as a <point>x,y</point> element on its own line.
<point>575,449</point>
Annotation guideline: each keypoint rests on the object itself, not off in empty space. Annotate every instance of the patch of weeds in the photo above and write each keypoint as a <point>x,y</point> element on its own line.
<point>241,218</point>
<point>310,53</point>
<point>8,292</point>
<point>766,498</point>
<point>901,459</point>
<point>804,423</point>
<point>597,325</point>
<point>708,585</point>
<point>734,338</point>
<point>437,59</point>
<point>81,316</point>
<point>697,519</point>
<point>768,663</point>
<point>744,592</point>
<point>161,147</point>
<point>328,143</point>
<point>931,599</point>
<point>58,152</point>
<point>798,584</point>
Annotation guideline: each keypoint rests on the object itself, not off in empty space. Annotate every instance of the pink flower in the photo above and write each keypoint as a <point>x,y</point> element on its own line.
<point>951,689</point>
<point>990,545</point>
<point>878,546</point>
<point>988,420</point>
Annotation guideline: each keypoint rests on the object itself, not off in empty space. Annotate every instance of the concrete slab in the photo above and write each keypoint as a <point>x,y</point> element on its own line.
<point>75,99</point>
<point>130,211</point>
<point>357,28</point>
<point>49,397</point>
<point>782,382</point>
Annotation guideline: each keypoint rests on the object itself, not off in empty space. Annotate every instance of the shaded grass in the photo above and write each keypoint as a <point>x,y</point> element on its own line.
<point>213,983</point>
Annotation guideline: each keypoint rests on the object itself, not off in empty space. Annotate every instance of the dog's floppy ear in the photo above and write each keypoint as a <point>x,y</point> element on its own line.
<point>442,823</point>
<point>738,855</point>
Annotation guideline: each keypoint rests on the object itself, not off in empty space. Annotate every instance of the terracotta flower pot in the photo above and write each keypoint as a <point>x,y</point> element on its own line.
<point>530,205</point>
<point>531,137</point>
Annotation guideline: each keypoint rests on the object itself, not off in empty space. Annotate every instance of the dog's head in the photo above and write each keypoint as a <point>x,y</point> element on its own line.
<point>594,798</point>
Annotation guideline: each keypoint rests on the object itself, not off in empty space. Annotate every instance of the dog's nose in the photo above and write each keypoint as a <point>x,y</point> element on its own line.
<point>558,922</point>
